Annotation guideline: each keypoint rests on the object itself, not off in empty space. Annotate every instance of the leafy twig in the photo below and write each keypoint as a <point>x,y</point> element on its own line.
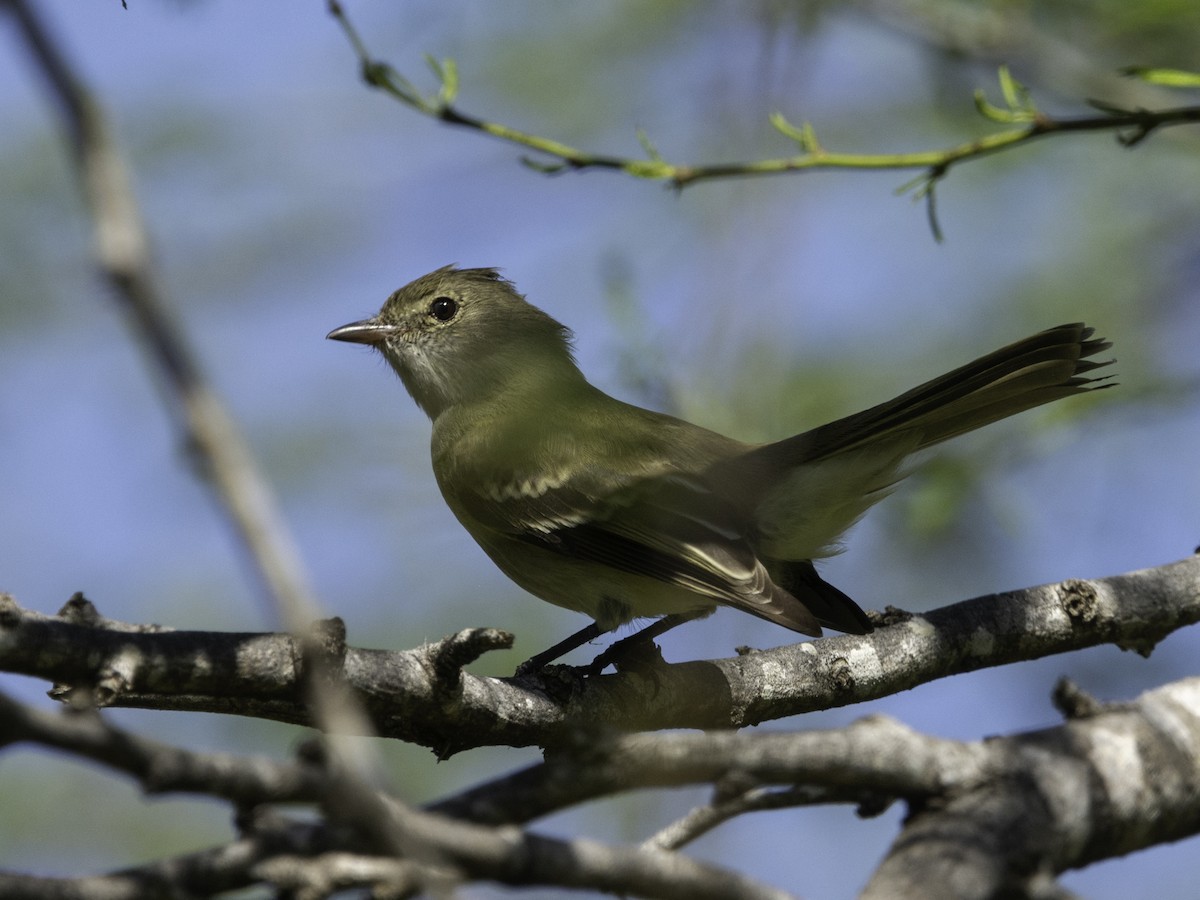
<point>1018,110</point>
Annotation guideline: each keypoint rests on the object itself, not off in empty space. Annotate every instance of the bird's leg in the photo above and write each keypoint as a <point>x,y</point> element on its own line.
<point>578,639</point>
<point>649,633</point>
<point>614,652</point>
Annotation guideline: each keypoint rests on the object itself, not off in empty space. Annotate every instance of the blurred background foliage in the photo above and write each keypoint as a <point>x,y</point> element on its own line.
<point>286,198</point>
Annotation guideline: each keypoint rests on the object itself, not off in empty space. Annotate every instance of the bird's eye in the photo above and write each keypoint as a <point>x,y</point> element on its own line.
<point>443,308</point>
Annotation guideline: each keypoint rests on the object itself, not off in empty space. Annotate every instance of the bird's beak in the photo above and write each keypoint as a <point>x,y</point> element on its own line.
<point>368,331</point>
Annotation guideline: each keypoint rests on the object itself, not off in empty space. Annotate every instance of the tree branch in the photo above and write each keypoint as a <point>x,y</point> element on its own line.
<point>416,696</point>
<point>989,817</point>
<point>1130,125</point>
<point>726,806</point>
<point>1095,788</point>
<point>122,249</point>
<point>424,847</point>
<point>223,457</point>
<point>992,817</point>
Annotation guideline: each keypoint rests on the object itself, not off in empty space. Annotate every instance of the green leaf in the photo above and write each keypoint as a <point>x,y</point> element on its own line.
<point>1010,88</point>
<point>990,111</point>
<point>1178,78</point>
<point>805,135</point>
<point>449,90</point>
<point>1018,105</point>
<point>1016,95</point>
<point>648,146</point>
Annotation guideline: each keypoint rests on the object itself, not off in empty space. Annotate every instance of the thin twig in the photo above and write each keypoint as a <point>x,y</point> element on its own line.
<point>699,821</point>
<point>1130,126</point>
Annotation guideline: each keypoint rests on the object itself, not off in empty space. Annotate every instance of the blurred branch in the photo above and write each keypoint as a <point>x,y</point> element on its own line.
<point>1130,125</point>
<point>726,806</point>
<point>424,696</point>
<point>336,851</point>
<point>992,35</point>
<point>992,817</point>
<point>224,458</point>
<point>123,254</point>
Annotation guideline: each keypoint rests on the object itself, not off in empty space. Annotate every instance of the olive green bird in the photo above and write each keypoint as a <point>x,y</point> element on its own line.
<point>620,512</point>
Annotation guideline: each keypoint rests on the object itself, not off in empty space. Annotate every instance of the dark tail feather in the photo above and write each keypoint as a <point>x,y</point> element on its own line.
<point>1033,371</point>
<point>831,607</point>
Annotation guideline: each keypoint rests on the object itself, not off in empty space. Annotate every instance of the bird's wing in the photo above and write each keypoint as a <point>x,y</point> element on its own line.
<point>669,527</point>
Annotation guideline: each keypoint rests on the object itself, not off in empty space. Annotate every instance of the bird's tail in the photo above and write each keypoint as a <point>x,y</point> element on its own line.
<point>1039,369</point>
<point>814,486</point>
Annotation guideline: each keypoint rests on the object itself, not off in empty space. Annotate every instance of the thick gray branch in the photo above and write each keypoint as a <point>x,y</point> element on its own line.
<point>990,818</point>
<point>1095,788</point>
<point>421,696</point>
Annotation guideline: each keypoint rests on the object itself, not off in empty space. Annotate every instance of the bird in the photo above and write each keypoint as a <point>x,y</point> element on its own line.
<point>622,513</point>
